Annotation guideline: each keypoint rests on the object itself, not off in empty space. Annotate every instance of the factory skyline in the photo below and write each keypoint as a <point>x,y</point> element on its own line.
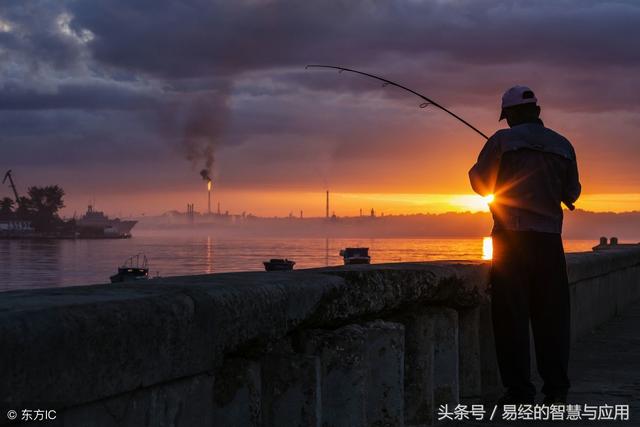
<point>216,198</point>
<point>313,204</point>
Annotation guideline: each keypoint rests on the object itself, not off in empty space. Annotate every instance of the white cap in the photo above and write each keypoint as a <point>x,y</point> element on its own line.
<point>517,95</point>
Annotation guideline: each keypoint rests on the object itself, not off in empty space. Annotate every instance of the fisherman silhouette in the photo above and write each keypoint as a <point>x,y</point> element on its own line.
<point>530,170</point>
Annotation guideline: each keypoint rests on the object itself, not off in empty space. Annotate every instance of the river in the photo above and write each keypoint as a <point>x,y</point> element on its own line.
<point>57,263</point>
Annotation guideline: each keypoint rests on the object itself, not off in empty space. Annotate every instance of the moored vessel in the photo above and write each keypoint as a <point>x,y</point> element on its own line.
<point>355,256</point>
<point>278,264</point>
<point>95,224</point>
<point>133,269</point>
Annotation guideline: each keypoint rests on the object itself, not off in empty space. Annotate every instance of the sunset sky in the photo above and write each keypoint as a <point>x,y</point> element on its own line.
<point>123,101</point>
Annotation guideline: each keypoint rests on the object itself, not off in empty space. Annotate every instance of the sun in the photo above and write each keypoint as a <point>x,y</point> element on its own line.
<point>489,199</point>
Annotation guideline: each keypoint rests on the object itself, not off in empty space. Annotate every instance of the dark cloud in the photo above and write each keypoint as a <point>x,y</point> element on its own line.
<point>97,96</point>
<point>37,37</point>
<point>202,37</point>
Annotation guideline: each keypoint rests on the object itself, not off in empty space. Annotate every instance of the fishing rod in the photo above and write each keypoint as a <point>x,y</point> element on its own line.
<point>428,101</point>
<point>387,82</point>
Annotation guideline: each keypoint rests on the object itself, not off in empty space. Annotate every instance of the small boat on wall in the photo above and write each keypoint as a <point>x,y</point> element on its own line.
<point>277,264</point>
<point>133,269</point>
<point>355,256</point>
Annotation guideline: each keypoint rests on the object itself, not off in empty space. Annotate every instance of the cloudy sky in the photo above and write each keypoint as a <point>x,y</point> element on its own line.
<point>125,101</point>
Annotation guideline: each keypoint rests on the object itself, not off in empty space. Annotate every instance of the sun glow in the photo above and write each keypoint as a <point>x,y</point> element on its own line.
<point>487,248</point>
<point>471,202</point>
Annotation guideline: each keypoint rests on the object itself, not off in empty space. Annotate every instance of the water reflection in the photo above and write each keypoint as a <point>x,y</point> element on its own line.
<point>32,261</point>
<point>326,252</point>
<point>209,269</point>
<point>33,264</point>
<point>487,248</point>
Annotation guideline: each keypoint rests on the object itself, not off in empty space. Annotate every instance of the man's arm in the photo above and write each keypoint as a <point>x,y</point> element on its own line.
<point>573,188</point>
<point>484,173</point>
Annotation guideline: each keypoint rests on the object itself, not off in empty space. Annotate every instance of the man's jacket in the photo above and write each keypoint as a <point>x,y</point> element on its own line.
<point>530,170</point>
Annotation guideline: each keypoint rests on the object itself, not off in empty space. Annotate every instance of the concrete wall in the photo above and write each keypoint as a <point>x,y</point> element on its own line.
<point>379,345</point>
<point>602,285</point>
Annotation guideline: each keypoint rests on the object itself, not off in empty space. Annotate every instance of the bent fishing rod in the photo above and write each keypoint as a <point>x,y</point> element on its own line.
<point>387,82</point>
<point>428,101</point>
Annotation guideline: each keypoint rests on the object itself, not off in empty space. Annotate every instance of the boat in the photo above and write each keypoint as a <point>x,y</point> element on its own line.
<point>15,228</point>
<point>95,224</point>
<point>355,256</point>
<point>133,269</point>
<point>278,264</point>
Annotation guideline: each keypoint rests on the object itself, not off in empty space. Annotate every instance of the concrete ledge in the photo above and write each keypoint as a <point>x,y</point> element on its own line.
<point>185,402</point>
<point>586,265</point>
<point>446,375</point>
<point>469,336</point>
<point>237,394</point>
<point>291,391</point>
<point>418,364</point>
<point>384,392</point>
<point>597,299</point>
<point>81,344</point>
<point>343,362</point>
<point>85,346</point>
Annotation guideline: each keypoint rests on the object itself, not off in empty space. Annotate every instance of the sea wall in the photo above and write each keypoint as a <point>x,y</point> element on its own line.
<point>349,346</point>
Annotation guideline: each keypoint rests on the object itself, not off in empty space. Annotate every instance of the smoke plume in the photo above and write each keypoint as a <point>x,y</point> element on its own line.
<point>204,173</point>
<point>197,122</point>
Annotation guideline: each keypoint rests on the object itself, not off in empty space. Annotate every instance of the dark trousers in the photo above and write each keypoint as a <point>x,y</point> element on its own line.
<point>529,282</point>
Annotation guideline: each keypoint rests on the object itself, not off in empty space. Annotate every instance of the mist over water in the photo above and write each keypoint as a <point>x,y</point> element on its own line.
<point>58,263</point>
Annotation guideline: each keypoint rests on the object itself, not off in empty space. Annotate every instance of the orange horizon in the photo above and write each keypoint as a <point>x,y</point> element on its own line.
<point>282,203</point>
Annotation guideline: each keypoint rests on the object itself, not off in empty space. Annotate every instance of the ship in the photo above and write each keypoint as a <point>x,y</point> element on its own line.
<point>95,224</point>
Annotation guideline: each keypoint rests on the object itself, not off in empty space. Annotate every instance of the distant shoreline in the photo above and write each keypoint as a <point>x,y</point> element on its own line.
<point>577,225</point>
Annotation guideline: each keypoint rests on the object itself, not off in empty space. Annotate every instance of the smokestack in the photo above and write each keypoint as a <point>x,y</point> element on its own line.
<point>327,212</point>
<point>209,198</point>
<point>204,173</point>
<point>190,213</point>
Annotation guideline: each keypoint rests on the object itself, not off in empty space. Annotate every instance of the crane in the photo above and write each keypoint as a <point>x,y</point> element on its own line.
<point>13,186</point>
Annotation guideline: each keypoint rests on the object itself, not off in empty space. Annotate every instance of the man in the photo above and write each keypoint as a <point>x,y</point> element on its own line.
<point>530,170</point>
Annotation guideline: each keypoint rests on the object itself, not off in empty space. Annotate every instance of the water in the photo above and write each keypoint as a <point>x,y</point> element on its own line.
<point>56,263</point>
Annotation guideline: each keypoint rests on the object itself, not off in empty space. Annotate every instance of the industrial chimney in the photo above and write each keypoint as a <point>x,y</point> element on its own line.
<point>209,197</point>
<point>327,212</point>
<point>204,173</point>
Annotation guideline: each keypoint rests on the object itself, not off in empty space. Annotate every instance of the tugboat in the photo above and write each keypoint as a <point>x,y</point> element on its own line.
<point>134,268</point>
<point>355,256</point>
<point>278,264</point>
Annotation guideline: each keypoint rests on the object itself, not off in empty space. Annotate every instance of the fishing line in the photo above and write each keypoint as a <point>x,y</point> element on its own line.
<point>387,82</point>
